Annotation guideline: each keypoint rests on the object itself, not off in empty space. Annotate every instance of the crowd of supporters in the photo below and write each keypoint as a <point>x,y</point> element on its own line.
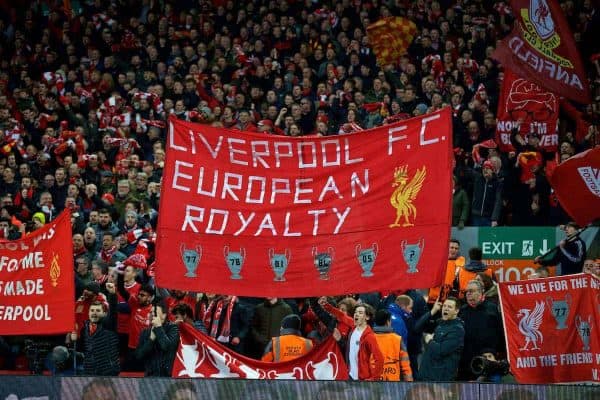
<point>86,88</point>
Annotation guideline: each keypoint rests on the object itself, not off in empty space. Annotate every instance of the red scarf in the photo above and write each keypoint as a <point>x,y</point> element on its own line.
<point>106,255</point>
<point>212,325</point>
<point>93,328</point>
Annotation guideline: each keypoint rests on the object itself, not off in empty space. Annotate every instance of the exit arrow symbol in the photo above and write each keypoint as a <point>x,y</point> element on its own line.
<point>544,248</point>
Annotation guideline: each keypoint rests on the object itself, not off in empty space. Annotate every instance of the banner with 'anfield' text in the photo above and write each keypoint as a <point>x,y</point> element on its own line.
<point>532,109</point>
<point>200,356</point>
<point>552,328</point>
<point>37,287</point>
<point>541,49</point>
<point>261,215</point>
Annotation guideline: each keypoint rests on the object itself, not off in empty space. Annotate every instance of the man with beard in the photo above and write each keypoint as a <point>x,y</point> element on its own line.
<point>444,346</point>
<point>91,293</point>
<point>59,190</point>
<point>109,253</point>
<point>483,328</point>
<point>98,340</point>
<point>106,224</point>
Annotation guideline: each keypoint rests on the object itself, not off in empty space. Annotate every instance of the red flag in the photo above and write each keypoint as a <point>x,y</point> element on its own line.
<point>576,183</point>
<point>526,101</point>
<point>37,291</point>
<point>257,215</point>
<point>390,37</point>
<point>550,327</point>
<point>542,50</point>
<point>200,356</point>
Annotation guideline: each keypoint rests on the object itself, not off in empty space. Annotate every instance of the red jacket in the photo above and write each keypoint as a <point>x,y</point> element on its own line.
<point>370,358</point>
<point>345,322</point>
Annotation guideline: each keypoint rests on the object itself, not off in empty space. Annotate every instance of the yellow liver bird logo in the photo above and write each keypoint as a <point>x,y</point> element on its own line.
<point>405,193</point>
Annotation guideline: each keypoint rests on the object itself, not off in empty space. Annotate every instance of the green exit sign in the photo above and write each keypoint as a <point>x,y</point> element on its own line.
<point>513,244</point>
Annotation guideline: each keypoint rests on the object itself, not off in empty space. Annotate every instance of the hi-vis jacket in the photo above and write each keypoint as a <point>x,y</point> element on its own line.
<point>396,364</point>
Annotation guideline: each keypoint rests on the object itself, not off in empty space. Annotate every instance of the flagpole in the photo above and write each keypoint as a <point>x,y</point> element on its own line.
<point>569,238</point>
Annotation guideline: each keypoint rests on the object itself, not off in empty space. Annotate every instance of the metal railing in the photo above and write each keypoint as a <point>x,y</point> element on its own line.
<point>71,388</point>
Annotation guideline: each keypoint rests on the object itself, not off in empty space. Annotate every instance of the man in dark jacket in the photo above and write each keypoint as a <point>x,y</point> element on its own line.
<point>487,197</point>
<point>158,344</point>
<point>99,339</point>
<point>483,328</point>
<point>444,346</point>
<point>266,324</point>
<point>570,253</point>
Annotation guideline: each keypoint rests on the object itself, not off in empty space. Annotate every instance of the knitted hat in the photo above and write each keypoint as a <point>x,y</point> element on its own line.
<point>291,321</point>
<point>109,198</point>
<point>421,107</point>
<point>40,217</point>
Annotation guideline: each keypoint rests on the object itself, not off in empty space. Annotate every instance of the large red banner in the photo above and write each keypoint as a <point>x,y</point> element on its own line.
<point>258,215</point>
<point>526,103</point>
<point>200,356</point>
<point>542,50</point>
<point>37,287</point>
<point>576,183</point>
<point>552,327</point>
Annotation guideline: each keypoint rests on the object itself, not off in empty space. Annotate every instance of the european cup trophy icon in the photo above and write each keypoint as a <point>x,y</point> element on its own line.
<point>323,262</point>
<point>412,254</point>
<point>234,261</point>
<point>279,263</point>
<point>584,329</point>
<point>366,259</point>
<point>191,258</point>
<point>560,310</point>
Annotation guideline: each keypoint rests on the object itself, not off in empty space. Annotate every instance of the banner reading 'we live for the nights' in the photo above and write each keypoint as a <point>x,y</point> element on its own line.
<point>37,290</point>
<point>552,329</point>
<point>262,215</point>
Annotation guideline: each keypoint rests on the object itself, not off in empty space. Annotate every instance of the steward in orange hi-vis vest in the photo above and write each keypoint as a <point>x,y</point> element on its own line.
<point>454,263</point>
<point>466,274</point>
<point>396,364</point>
<point>446,288</point>
<point>290,344</point>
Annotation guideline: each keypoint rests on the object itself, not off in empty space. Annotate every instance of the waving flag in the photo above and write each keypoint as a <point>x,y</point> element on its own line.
<point>576,183</point>
<point>390,37</point>
<point>541,49</point>
<point>200,356</point>
<point>37,290</point>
